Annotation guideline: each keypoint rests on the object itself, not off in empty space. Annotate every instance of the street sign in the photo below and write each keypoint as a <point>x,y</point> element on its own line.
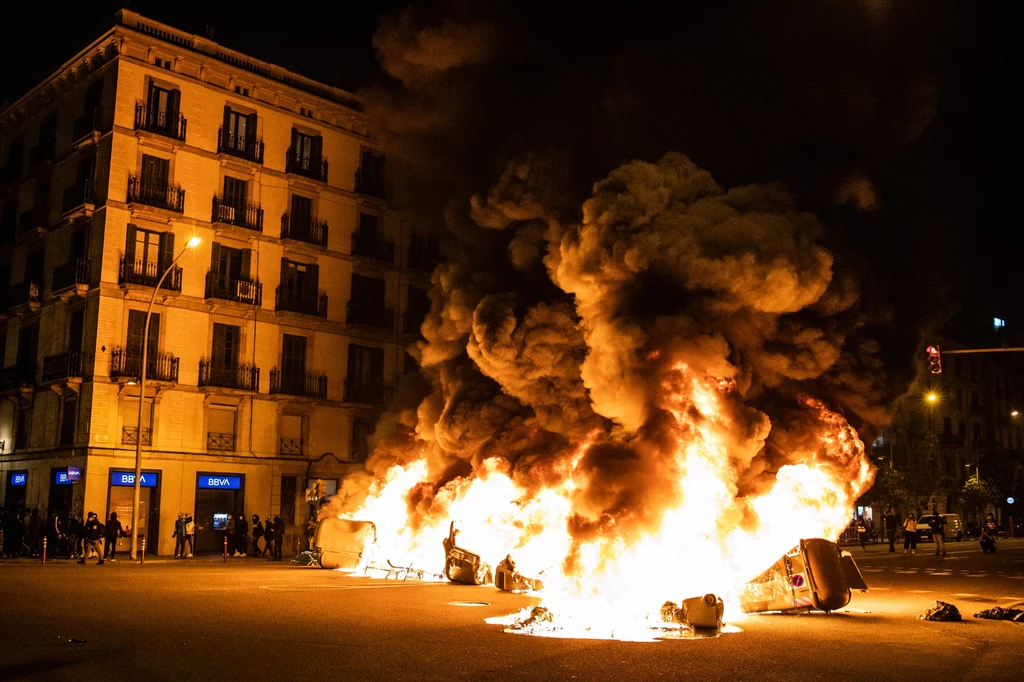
<point>74,474</point>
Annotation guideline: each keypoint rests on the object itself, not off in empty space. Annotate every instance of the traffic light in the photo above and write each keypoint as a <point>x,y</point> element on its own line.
<point>934,359</point>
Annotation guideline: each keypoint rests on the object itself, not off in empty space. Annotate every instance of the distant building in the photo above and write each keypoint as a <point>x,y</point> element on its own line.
<point>272,345</point>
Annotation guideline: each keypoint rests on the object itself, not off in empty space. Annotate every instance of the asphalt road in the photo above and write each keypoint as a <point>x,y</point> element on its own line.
<point>255,620</point>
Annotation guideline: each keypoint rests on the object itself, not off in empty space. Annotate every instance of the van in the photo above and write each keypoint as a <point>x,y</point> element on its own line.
<point>954,528</point>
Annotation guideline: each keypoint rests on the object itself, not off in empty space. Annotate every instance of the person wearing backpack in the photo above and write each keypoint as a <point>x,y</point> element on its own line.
<point>93,531</point>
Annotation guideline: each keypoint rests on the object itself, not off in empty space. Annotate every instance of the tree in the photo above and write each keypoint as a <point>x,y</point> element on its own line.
<point>976,495</point>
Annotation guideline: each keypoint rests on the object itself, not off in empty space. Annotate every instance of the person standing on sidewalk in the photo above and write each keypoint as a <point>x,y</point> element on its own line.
<point>35,525</point>
<point>257,533</point>
<point>937,524</point>
<point>241,535</point>
<point>93,531</point>
<point>278,537</point>
<point>179,536</point>
<point>910,534</point>
<point>988,535</point>
<point>268,538</point>
<point>190,534</point>
<point>891,525</point>
<point>114,531</point>
<point>862,532</point>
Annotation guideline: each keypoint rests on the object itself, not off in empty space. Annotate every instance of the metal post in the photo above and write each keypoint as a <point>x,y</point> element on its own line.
<point>142,557</point>
<point>44,550</point>
<point>137,488</point>
<point>225,549</point>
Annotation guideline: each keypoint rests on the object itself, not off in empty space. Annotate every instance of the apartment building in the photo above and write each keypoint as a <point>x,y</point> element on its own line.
<point>272,343</point>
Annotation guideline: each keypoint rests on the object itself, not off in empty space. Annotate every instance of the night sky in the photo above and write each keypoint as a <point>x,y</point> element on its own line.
<point>888,120</point>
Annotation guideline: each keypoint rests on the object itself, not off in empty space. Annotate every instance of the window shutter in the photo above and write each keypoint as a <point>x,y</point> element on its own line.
<point>152,102</point>
<point>377,367</point>
<point>295,144</point>
<point>312,282</point>
<point>250,131</point>
<point>284,274</point>
<point>318,149</point>
<point>153,340</point>
<point>129,247</point>
<point>245,265</point>
<point>173,108</point>
<point>215,264</point>
<point>166,251</point>
<point>228,132</point>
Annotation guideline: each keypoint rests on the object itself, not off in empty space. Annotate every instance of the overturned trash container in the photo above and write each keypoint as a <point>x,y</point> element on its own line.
<point>509,579</point>
<point>340,543</point>
<point>816,574</point>
<point>461,565</point>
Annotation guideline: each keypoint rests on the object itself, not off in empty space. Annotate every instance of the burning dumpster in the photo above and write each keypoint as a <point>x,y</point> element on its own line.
<point>815,574</point>
<point>461,565</point>
<point>509,579</point>
<point>340,542</point>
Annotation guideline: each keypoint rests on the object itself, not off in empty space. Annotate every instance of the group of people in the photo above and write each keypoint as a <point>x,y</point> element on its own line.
<point>66,535</point>
<point>271,532</point>
<point>184,535</point>
<point>937,525</point>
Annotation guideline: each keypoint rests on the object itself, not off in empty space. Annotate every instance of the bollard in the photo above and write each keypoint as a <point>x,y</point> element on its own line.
<point>142,555</point>
<point>225,549</point>
<point>44,550</point>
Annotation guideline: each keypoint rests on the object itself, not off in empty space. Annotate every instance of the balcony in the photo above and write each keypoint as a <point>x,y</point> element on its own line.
<point>287,300</point>
<point>246,147</point>
<point>249,216</point>
<point>370,393</point>
<point>160,122</point>
<point>240,377</point>
<point>233,289</point>
<point>306,166</point>
<point>370,245</point>
<point>147,274</point>
<point>311,231</point>
<point>130,435</point>
<point>159,366</point>
<point>370,316</point>
<point>220,441</point>
<point>309,384</point>
<point>371,185</point>
<point>157,194</point>
<point>62,366</point>
<point>26,296</point>
<point>33,221</point>
<point>86,127</point>
<point>41,153</point>
<point>72,276</point>
<point>78,199</point>
<point>291,447</point>
<point>423,254</point>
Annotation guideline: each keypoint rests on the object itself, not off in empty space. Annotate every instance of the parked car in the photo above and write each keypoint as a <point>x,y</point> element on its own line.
<point>954,528</point>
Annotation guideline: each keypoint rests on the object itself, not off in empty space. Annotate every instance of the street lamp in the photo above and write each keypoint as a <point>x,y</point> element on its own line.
<point>137,489</point>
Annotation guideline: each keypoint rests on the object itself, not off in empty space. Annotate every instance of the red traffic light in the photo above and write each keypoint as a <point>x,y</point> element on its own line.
<point>932,350</point>
<point>934,359</point>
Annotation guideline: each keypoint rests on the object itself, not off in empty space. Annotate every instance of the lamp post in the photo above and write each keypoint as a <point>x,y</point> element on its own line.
<point>137,488</point>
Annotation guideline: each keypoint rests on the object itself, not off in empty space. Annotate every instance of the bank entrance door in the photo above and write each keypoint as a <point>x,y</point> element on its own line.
<point>219,499</point>
<point>120,497</point>
<point>62,492</point>
<point>14,494</point>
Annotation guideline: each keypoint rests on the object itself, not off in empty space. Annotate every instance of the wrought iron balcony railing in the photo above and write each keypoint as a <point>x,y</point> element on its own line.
<point>371,316</point>
<point>311,231</point>
<point>290,446</point>
<point>23,293</point>
<point>72,273</point>
<point>367,393</point>
<point>295,302</point>
<point>220,441</point>
<point>147,273</point>
<point>314,167</point>
<point>164,123</point>
<point>77,196</point>
<point>310,384</point>
<point>249,216</point>
<point>18,376</point>
<point>62,366</point>
<point>233,289</point>
<point>156,193</point>
<point>242,377</point>
<point>372,246</point>
<point>247,147</point>
<point>130,435</point>
<point>159,366</point>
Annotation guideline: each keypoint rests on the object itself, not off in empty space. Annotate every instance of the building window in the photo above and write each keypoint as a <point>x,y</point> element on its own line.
<point>302,212</point>
<point>975,405</point>
<point>416,309</point>
<point>162,107</point>
<point>365,380</point>
<point>293,357</point>
<point>130,432</point>
<point>68,422</point>
<point>290,434</point>
<point>961,432</point>
<point>23,428</point>
<point>225,347</point>
<point>959,398</point>
<point>136,325</point>
<point>289,486</point>
<point>220,428</point>
<point>947,428</point>
<point>998,323</point>
<point>236,192</point>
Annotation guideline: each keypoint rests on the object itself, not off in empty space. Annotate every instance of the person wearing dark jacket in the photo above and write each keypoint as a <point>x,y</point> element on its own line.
<point>241,535</point>
<point>257,533</point>
<point>278,537</point>
<point>891,524</point>
<point>268,538</point>
<point>35,526</point>
<point>76,536</point>
<point>93,531</point>
<point>114,531</point>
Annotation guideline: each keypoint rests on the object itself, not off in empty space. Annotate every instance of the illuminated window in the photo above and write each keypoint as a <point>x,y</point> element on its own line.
<point>998,323</point>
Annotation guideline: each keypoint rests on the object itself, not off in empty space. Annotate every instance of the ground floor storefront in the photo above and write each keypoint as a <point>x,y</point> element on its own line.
<point>215,490</point>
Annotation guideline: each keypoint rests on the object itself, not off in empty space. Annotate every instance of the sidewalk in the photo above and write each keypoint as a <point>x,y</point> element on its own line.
<point>204,559</point>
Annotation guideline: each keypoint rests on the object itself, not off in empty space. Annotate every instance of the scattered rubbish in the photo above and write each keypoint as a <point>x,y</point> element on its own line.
<point>697,612</point>
<point>463,566</point>
<point>942,611</point>
<point>507,578</point>
<point>999,613</point>
<point>816,574</point>
<point>340,543</point>
<point>307,558</point>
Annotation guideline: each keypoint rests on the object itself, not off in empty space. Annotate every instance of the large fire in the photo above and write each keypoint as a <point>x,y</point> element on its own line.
<point>704,537</point>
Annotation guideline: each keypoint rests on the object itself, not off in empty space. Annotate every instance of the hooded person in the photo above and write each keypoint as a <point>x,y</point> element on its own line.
<point>179,535</point>
<point>93,532</point>
<point>241,535</point>
<point>257,533</point>
<point>114,531</point>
